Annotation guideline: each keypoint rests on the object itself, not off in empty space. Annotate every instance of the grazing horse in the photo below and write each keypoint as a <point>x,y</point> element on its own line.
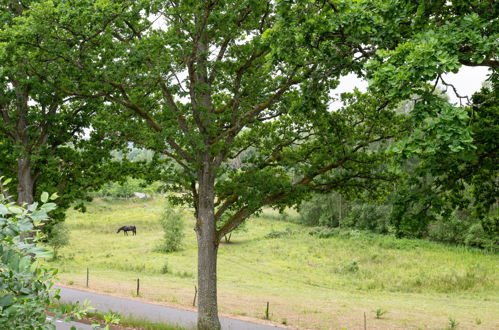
<point>126,229</point>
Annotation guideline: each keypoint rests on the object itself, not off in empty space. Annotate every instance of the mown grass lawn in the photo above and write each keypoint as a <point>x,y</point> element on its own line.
<point>309,282</point>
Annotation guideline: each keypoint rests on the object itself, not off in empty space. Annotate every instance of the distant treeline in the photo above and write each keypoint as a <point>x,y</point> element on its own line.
<point>332,211</point>
<point>127,188</point>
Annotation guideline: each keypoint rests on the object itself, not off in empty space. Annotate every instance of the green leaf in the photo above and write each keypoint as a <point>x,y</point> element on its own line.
<point>16,209</point>
<point>39,215</point>
<point>33,207</point>
<point>4,210</point>
<point>6,300</point>
<point>45,197</point>
<point>48,207</point>
<point>25,264</point>
<point>42,253</point>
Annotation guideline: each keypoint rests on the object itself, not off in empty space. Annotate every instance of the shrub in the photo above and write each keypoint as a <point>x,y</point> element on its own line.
<point>449,230</point>
<point>24,285</point>
<point>352,267</point>
<point>59,237</point>
<point>173,226</point>
<point>380,312</point>
<point>322,232</point>
<point>368,216</point>
<point>280,233</point>
<point>127,188</point>
<point>322,210</point>
<point>476,236</point>
<point>165,269</point>
<point>462,228</point>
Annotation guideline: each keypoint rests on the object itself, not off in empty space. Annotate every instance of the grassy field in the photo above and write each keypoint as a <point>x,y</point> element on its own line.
<point>309,282</point>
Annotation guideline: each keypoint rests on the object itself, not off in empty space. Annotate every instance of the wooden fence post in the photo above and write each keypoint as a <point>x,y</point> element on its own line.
<point>87,277</point>
<point>138,287</point>
<point>195,295</point>
<point>365,321</point>
<point>267,311</point>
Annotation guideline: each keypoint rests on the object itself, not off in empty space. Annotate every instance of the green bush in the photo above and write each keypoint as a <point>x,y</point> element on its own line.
<point>58,237</point>
<point>476,236</point>
<point>324,232</point>
<point>127,188</point>
<point>322,210</point>
<point>449,230</point>
<point>280,233</point>
<point>173,226</point>
<point>25,286</point>
<point>368,216</point>
<point>165,269</point>
<point>463,229</point>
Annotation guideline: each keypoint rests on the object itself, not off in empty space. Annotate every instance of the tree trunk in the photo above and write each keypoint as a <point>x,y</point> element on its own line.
<point>26,186</point>
<point>207,252</point>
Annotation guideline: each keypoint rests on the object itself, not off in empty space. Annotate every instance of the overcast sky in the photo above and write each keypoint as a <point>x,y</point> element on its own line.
<point>467,81</point>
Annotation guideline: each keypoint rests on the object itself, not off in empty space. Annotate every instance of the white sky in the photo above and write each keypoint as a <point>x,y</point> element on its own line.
<point>467,81</point>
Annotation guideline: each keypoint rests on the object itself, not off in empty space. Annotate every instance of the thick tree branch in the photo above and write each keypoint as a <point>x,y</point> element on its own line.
<point>223,48</point>
<point>455,91</point>
<point>240,122</point>
<point>306,181</point>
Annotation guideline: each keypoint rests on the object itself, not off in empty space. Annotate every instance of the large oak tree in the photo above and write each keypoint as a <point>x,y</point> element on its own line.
<point>46,138</point>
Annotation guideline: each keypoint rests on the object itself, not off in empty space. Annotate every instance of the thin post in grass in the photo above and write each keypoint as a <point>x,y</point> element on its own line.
<point>138,287</point>
<point>195,295</point>
<point>87,277</point>
<point>267,311</point>
<point>365,321</point>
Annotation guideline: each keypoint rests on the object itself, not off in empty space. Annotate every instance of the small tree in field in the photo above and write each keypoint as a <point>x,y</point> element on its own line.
<point>173,225</point>
<point>59,237</point>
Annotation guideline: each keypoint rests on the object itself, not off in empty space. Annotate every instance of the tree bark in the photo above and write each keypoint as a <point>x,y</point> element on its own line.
<point>207,251</point>
<point>26,186</point>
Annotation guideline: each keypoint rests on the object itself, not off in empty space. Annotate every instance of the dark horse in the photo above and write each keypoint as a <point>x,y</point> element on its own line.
<point>126,229</point>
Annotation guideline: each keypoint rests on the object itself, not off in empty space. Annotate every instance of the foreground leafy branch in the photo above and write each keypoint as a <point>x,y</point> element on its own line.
<point>25,285</point>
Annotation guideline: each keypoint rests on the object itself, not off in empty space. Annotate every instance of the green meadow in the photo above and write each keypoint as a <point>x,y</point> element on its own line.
<point>309,282</point>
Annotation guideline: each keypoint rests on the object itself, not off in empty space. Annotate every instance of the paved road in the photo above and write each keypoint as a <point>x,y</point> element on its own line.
<point>152,312</point>
<point>61,325</point>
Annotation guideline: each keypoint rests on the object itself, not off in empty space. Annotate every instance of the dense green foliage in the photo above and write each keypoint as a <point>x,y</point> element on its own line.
<point>49,140</point>
<point>369,216</point>
<point>459,227</point>
<point>127,187</point>
<point>452,182</point>
<point>457,188</point>
<point>322,210</point>
<point>25,285</point>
